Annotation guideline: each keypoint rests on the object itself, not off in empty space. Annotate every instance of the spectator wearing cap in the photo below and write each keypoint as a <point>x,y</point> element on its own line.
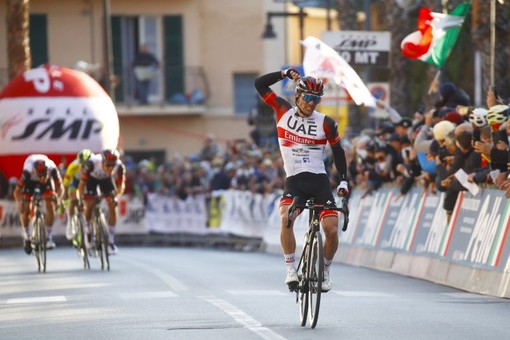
<point>379,172</point>
<point>394,147</point>
<point>402,128</point>
<point>384,131</point>
<point>454,117</point>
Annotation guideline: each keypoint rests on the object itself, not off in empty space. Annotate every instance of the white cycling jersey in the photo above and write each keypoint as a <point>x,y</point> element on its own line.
<point>302,142</point>
<point>94,167</point>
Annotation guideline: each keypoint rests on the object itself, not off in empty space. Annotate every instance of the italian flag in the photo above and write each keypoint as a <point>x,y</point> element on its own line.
<point>436,35</point>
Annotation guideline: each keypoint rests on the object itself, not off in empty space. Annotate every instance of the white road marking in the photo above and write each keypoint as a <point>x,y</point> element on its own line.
<point>148,295</point>
<point>39,299</point>
<point>355,293</point>
<point>257,292</point>
<point>171,281</point>
<point>244,319</point>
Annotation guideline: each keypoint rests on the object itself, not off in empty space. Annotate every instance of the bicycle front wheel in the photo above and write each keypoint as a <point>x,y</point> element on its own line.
<point>303,291</point>
<point>101,242</point>
<point>316,276</point>
<point>39,243</point>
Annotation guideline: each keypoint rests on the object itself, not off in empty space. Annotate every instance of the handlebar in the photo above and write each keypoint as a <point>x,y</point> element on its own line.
<point>295,208</point>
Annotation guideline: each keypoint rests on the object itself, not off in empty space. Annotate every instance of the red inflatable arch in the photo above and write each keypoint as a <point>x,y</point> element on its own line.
<point>55,111</point>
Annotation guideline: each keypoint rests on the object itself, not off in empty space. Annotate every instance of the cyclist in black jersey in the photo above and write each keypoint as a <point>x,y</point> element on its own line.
<point>303,134</point>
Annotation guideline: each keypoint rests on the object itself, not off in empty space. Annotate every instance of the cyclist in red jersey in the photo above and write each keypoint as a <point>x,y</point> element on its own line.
<point>303,134</point>
<point>38,172</point>
<point>106,172</point>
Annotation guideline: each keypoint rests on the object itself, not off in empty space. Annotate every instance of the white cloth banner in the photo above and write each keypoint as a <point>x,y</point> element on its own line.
<point>322,61</point>
<point>172,215</point>
<point>246,214</point>
<point>130,216</point>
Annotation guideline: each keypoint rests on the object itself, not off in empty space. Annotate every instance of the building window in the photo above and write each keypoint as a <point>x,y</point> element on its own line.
<point>245,96</point>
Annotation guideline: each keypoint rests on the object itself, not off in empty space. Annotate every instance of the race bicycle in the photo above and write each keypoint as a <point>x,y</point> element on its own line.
<point>311,263</point>
<point>39,235</point>
<point>80,240</point>
<point>100,234</point>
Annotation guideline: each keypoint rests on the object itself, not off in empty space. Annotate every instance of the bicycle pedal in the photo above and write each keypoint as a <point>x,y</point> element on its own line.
<point>293,286</point>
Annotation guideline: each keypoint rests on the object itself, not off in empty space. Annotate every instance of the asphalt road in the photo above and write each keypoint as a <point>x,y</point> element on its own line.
<point>195,293</point>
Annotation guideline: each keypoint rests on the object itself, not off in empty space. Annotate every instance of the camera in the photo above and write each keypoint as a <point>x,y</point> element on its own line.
<point>476,134</point>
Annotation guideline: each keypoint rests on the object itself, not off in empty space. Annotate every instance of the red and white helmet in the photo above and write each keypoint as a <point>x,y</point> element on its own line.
<point>310,85</point>
<point>40,167</point>
<point>110,156</point>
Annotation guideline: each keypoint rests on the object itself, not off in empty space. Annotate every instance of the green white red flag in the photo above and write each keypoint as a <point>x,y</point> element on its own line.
<point>436,35</point>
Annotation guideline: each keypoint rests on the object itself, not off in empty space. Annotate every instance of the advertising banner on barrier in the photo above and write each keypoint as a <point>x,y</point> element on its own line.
<point>370,222</point>
<point>401,220</point>
<point>431,226</point>
<point>481,230</point>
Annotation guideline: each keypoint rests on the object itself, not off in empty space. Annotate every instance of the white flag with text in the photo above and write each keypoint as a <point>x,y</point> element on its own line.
<point>322,61</point>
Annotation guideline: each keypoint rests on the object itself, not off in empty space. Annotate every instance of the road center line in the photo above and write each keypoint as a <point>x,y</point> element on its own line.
<point>244,319</point>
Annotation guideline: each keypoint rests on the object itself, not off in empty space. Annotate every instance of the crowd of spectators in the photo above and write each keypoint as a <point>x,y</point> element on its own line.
<point>434,145</point>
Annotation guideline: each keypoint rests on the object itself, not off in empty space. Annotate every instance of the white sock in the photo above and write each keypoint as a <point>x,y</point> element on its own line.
<point>111,237</point>
<point>290,260</point>
<point>327,264</point>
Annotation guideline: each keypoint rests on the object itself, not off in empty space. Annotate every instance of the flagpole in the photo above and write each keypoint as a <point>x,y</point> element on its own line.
<point>493,39</point>
<point>434,84</point>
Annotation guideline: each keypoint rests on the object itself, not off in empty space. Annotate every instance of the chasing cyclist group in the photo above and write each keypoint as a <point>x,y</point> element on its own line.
<point>90,175</point>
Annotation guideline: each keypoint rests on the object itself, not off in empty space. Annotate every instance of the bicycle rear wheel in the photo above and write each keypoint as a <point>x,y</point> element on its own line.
<point>39,243</point>
<point>80,238</point>
<point>303,291</point>
<point>316,276</point>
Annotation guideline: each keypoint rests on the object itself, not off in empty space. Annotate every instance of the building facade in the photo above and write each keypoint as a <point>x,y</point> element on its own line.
<point>209,52</point>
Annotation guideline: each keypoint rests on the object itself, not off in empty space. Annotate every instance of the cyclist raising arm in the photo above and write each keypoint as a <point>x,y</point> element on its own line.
<point>303,134</point>
<point>106,172</point>
<point>38,172</point>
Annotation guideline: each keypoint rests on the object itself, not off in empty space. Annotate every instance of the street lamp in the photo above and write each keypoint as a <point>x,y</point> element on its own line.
<point>269,33</point>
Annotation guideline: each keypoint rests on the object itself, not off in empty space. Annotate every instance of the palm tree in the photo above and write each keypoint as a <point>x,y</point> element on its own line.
<point>18,43</point>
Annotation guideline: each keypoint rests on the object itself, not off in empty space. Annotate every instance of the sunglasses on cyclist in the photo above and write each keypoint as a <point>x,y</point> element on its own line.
<point>311,98</point>
<point>109,164</point>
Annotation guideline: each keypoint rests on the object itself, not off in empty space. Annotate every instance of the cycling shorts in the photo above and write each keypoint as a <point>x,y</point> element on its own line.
<point>306,185</point>
<point>105,185</point>
<point>47,189</point>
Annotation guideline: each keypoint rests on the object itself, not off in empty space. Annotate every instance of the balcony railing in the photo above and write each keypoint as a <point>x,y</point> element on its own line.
<point>171,87</point>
